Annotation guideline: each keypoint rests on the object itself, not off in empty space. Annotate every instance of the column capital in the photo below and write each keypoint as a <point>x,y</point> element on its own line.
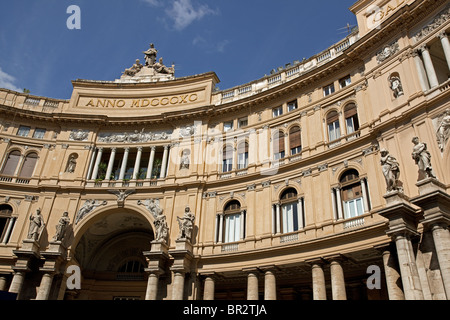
<point>422,48</point>
<point>153,148</point>
<point>100,149</point>
<point>127,149</point>
<point>441,35</point>
<point>140,149</point>
<point>251,270</point>
<point>166,147</point>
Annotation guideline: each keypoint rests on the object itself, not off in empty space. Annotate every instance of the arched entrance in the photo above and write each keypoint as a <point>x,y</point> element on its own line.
<point>109,250</point>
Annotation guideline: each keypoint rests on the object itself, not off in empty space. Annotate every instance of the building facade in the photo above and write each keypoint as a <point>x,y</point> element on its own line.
<point>327,179</point>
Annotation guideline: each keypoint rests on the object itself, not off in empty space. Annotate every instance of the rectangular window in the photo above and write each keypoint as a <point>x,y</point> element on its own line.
<point>353,208</point>
<point>289,217</point>
<point>243,122</point>
<point>327,90</point>
<point>276,112</point>
<point>292,106</point>
<point>232,228</point>
<point>345,82</point>
<point>334,131</point>
<point>227,165</point>
<point>23,131</point>
<point>227,126</point>
<point>243,160</point>
<point>39,133</point>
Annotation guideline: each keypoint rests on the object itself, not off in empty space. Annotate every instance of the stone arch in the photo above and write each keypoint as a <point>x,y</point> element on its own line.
<point>354,165</point>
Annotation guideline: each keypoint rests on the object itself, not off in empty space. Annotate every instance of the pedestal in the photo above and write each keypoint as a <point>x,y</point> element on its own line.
<point>182,258</point>
<point>158,258</point>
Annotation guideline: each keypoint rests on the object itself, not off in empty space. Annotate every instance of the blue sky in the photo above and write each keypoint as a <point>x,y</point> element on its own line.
<point>240,41</point>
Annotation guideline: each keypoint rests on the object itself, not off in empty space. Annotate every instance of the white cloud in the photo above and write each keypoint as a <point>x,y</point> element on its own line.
<point>7,81</point>
<point>154,3</point>
<point>210,47</point>
<point>184,12</point>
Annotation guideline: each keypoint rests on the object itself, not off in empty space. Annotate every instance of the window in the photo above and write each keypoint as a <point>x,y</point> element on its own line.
<point>351,118</point>
<point>243,122</point>
<point>227,126</point>
<point>327,90</point>
<point>334,131</point>
<point>345,82</point>
<point>292,106</point>
<point>295,141</point>
<point>28,165</point>
<point>39,133</point>
<point>11,163</point>
<point>289,211</point>
<point>233,220</point>
<point>23,131</point>
<point>132,266</point>
<point>278,146</point>
<point>243,155</point>
<point>227,159</point>
<point>276,112</point>
<point>352,196</point>
<point>6,223</point>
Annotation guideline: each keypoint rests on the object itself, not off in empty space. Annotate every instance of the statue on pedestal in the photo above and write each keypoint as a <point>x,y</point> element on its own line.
<point>391,171</point>
<point>422,158</point>
<point>36,226</point>
<point>162,230</point>
<point>61,227</point>
<point>150,56</point>
<point>186,224</point>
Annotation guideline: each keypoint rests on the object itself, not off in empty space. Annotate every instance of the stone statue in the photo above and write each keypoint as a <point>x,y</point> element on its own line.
<point>162,230</point>
<point>186,224</point>
<point>150,56</point>
<point>161,68</point>
<point>391,171</point>
<point>61,227</point>
<point>122,195</point>
<point>396,86</point>
<point>185,161</point>
<point>36,226</point>
<point>135,68</point>
<point>87,207</point>
<point>71,164</point>
<point>422,158</point>
<point>443,132</point>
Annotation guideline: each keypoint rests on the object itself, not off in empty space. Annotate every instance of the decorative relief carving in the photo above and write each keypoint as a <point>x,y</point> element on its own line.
<point>387,52</point>
<point>87,208</point>
<point>438,21</point>
<point>79,135</point>
<point>442,124</point>
<point>135,137</point>
<point>121,195</point>
<point>187,131</point>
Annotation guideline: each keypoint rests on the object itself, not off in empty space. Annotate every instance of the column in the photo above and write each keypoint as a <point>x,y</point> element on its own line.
<point>137,164</point>
<point>123,168</point>
<point>301,223</point>
<point>270,285</point>
<point>337,280</point>
<point>333,203</point>
<point>164,162</point>
<point>318,281</point>
<point>421,71</point>
<point>339,204</point>
<point>110,164</point>
<point>209,287</point>
<point>242,225</point>
<point>274,220</point>
<point>97,163</point>
<point>441,237</point>
<point>278,213</point>
<point>17,282</point>
<point>150,163</point>
<point>429,68</point>
<point>178,285</point>
<point>408,268</point>
<point>152,286</point>
<point>365,196</point>
<point>446,46</point>
<point>392,276</point>
<point>2,283</point>
<point>91,164</point>
<point>9,230</point>
<point>45,286</point>
<point>252,286</point>
<point>219,240</point>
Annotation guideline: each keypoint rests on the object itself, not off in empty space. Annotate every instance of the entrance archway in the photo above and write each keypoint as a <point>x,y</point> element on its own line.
<point>109,252</point>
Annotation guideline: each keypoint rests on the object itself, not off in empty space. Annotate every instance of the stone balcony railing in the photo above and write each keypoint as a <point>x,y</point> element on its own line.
<point>28,102</point>
<point>284,74</point>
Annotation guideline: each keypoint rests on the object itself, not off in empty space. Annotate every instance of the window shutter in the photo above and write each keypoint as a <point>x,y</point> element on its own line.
<point>11,163</point>
<point>295,138</point>
<point>28,166</point>
<point>350,110</point>
<point>332,117</point>
<point>280,142</point>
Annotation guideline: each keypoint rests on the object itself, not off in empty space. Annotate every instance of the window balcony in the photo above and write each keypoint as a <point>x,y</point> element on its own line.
<point>18,180</point>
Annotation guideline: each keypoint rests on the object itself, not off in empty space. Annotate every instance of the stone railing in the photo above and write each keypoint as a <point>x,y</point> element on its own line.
<point>26,102</point>
<point>283,74</point>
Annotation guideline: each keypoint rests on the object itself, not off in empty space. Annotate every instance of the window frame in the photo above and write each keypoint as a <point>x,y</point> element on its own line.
<point>329,89</point>
<point>26,128</point>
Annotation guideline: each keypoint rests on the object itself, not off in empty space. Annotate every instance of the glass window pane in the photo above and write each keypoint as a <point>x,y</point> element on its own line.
<point>23,131</point>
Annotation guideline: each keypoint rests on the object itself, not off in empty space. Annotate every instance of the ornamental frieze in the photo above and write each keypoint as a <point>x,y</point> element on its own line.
<point>437,22</point>
<point>134,137</point>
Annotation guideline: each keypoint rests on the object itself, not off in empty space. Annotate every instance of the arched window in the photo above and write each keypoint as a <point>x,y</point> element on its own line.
<point>131,266</point>
<point>295,140</point>
<point>243,155</point>
<point>351,118</point>
<point>231,223</point>
<point>227,159</point>
<point>289,211</point>
<point>11,163</point>
<point>352,194</point>
<point>334,131</point>
<point>6,223</point>
<point>278,146</point>
<point>28,165</point>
